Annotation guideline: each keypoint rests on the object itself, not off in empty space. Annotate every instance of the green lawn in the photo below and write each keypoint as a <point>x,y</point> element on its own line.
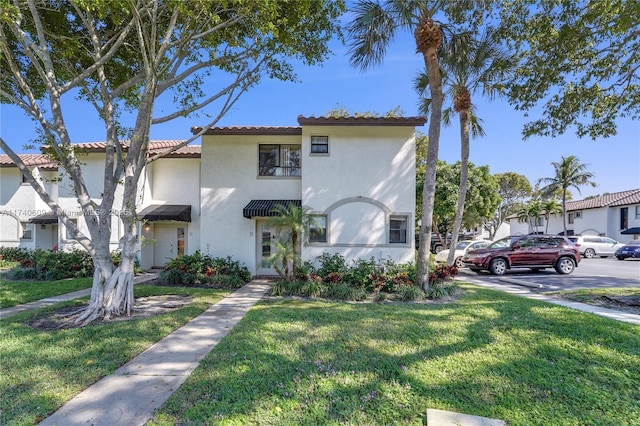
<point>14,293</point>
<point>489,353</point>
<point>41,370</point>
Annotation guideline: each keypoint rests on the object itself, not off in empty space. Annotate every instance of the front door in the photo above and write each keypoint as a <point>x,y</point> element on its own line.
<point>169,243</point>
<point>265,248</point>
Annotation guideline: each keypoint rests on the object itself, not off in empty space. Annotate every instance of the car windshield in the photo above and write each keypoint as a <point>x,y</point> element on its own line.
<point>503,243</point>
<point>462,245</point>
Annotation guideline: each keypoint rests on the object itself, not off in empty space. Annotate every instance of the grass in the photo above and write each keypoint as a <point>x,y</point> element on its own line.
<point>596,296</point>
<point>14,293</point>
<point>296,362</point>
<point>41,370</point>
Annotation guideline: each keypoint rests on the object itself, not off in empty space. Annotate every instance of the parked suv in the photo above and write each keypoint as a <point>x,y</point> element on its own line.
<point>535,252</point>
<point>591,246</point>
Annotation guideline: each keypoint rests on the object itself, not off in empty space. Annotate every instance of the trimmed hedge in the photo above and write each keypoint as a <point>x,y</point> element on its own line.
<point>199,269</point>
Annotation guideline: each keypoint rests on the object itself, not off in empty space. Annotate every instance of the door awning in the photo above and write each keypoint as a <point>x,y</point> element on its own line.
<point>264,208</point>
<point>44,219</point>
<point>631,231</point>
<point>177,212</point>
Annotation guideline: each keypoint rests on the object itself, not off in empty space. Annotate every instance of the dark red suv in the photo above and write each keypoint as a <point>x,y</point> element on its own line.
<point>535,252</point>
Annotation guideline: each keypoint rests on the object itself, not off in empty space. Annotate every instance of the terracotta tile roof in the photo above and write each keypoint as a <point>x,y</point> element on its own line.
<point>606,200</point>
<point>249,130</point>
<point>41,160</point>
<point>155,147</point>
<point>362,121</point>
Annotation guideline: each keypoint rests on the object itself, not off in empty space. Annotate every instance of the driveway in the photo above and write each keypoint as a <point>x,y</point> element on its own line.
<point>591,273</point>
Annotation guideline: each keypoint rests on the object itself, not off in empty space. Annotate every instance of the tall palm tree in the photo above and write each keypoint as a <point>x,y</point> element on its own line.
<point>530,213</point>
<point>374,26</point>
<point>550,207</point>
<point>468,66</point>
<point>569,173</point>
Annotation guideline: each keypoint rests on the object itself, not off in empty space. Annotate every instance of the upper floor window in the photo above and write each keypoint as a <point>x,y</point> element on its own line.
<point>398,229</point>
<point>624,218</point>
<point>279,160</point>
<point>637,212</point>
<point>319,144</point>
<point>571,218</point>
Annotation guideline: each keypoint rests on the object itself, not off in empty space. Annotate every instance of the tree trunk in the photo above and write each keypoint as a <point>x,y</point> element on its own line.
<point>464,177</point>
<point>429,189</point>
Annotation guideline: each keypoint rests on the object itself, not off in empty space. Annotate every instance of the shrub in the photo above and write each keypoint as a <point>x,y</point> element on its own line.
<point>203,269</point>
<point>438,290</point>
<point>333,264</point>
<point>410,293</point>
<point>442,273</point>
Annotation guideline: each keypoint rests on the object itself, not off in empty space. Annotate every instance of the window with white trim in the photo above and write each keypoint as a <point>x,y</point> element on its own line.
<point>638,212</point>
<point>398,229</point>
<point>318,229</point>
<point>571,218</point>
<point>319,144</point>
<point>27,231</point>
<point>279,160</point>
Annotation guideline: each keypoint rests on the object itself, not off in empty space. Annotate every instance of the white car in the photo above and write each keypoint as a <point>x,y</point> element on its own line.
<point>461,249</point>
<point>591,246</point>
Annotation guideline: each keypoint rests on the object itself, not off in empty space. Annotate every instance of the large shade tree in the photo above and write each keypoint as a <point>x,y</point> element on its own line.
<point>578,60</point>
<point>119,57</point>
<point>469,66</point>
<point>372,30</point>
<point>513,189</point>
<point>569,173</point>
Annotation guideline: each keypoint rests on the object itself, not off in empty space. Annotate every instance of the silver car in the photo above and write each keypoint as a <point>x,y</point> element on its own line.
<point>591,246</point>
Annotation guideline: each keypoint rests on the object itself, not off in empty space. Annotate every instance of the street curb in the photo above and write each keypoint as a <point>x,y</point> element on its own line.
<point>522,283</point>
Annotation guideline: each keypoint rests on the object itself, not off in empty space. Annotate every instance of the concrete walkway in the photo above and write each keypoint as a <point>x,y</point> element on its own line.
<point>131,394</point>
<point>147,276</point>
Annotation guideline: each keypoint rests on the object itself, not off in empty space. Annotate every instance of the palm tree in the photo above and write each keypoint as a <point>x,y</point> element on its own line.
<point>294,219</point>
<point>374,26</point>
<point>468,66</point>
<point>530,213</point>
<point>569,172</point>
<point>550,207</point>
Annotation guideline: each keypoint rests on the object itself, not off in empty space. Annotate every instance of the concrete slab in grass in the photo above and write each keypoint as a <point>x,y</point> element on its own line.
<point>449,418</point>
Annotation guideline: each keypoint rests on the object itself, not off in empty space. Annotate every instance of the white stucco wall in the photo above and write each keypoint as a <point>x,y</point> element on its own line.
<point>367,176</point>
<point>229,181</point>
<point>171,181</point>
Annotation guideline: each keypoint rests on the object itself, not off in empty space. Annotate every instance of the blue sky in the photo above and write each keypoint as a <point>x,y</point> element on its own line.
<point>615,160</point>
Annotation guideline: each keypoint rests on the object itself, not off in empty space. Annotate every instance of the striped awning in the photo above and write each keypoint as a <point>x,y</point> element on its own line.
<point>44,219</point>
<point>264,208</point>
<point>175,212</point>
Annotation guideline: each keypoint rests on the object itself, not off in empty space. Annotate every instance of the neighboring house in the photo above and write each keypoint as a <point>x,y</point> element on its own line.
<point>615,215</point>
<point>20,205</point>
<point>28,222</point>
<point>355,176</point>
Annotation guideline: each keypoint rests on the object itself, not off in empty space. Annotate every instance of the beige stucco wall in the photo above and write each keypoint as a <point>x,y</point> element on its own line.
<point>229,181</point>
<point>368,176</point>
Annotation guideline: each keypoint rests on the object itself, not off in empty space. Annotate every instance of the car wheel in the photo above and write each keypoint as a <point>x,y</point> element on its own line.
<point>458,262</point>
<point>620,257</point>
<point>589,253</point>
<point>438,249</point>
<point>565,265</point>
<point>498,266</point>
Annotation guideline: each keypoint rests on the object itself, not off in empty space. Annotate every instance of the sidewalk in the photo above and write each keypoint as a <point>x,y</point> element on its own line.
<point>6,312</point>
<point>131,394</point>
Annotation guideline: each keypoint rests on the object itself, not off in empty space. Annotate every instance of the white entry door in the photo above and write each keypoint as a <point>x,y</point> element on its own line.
<point>265,247</point>
<point>169,243</point>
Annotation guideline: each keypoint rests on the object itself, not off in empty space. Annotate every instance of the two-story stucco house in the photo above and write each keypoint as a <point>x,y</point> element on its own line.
<point>356,176</point>
<point>26,221</point>
<point>614,215</point>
